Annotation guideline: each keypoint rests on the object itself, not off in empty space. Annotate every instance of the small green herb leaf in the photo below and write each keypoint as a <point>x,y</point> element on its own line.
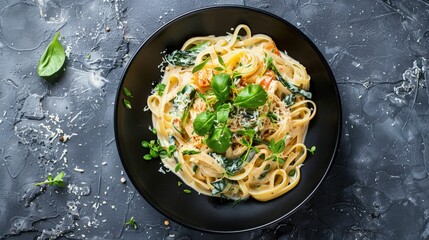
<point>132,222</point>
<point>252,96</point>
<point>312,150</point>
<point>223,112</point>
<point>57,180</point>
<point>187,191</point>
<point>178,167</point>
<point>277,147</point>
<point>221,61</point>
<point>52,59</point>
<point>221,85</point>
<point>127,104</point>
<point>190,152</point>
<point>292,173</point>
<point>200,66</point>
<point>127,92</point>
<point>220,139</point>
<point>218,69</point>
<point>273,117</point>
<point>159,88</point>
<point>203,123</point>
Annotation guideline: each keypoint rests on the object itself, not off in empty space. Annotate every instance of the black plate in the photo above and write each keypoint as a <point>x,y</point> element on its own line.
<point>132,126</point>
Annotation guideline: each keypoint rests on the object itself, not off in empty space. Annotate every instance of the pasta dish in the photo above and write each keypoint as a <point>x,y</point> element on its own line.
<point>232,113</point>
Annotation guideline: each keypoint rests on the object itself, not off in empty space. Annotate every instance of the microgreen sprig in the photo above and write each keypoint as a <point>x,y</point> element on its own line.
<point>132,222</point>
<point>312,150</point>
<point>159,88</point>
<point>276,148</point>
<point>57,180</point>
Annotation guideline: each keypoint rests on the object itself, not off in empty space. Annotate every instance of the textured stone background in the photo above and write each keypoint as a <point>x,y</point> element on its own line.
<point>378,187</point>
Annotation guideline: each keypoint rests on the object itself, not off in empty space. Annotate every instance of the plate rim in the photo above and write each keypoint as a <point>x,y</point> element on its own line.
<point>294,28</point>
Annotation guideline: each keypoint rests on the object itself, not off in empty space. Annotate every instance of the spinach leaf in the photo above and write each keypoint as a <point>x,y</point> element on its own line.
<point>290,86</point>
<point>220,139</point>
<point>52,59</point>
<point>289,100</point>
<point>219,186</point>
<point>252,96</point>
<point>221,85</point>
<point>183,101</point>
<point>185,58</point>
<point>203,123</point>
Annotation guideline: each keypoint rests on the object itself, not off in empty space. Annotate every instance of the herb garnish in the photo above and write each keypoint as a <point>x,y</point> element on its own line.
<point>276,148</point>
<point>292,173</point>
<point>155,149</point>
<point>57,180</point>
<point>52,59</point>
<point>159,88</point>
<point>127,104</point>
<point>190,152</point>
<point>187,191</point>
<point>219,139</point>
<point>127,92</point>
<point>312,150</point>
<point>252,96</point>
<point>221,85</point>
<point>200,66</point>
<point>132,222</point>
<point>178,167</point>
<point>203,123</point>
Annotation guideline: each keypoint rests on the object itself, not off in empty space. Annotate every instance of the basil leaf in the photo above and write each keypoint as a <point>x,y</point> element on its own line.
<point>252,96</point>
<point>203,123</point>
<point>223,113</point>
<point>52,59</point>
<point>220,139</point>
<point>200,66</point>
<point>221,85</point>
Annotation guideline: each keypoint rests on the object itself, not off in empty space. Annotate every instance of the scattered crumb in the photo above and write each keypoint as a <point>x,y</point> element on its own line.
<point>77,169</point>
<point>123,180</point>
<point>107,29</point>
<point>166,222</point>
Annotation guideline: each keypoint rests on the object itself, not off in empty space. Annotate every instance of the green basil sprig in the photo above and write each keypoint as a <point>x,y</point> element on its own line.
<point>221,85</point>
<point>222,112</point>
<point>203,123</point>
<point>252,96</point>
<point>52,59</point>
<point>220,139</point>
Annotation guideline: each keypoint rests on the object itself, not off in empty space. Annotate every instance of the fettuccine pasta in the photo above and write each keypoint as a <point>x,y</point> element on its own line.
<point>232,112</point>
